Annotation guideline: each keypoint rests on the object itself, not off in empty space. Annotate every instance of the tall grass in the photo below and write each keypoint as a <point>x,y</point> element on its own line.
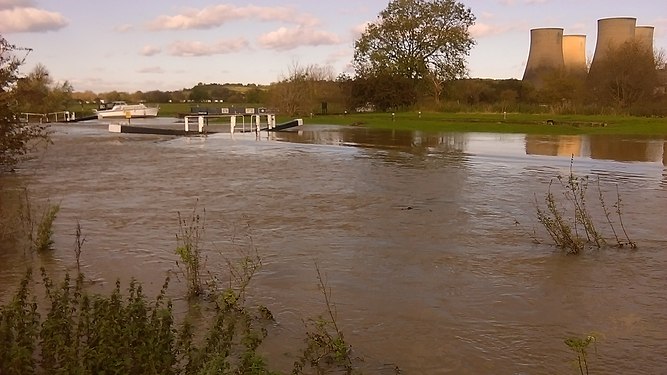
<point>326,348</point>
<point>43,240</point>
<point>188,248</point>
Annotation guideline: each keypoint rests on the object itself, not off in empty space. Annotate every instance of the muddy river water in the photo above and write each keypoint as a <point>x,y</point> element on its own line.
<point>425,239</point>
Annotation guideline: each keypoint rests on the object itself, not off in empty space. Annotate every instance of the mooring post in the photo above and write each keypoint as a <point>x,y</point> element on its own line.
<point>187,124</point>
<point>200,122</point>
<point>272,119</point>
<point>257,121</point>
<point>232,124</point>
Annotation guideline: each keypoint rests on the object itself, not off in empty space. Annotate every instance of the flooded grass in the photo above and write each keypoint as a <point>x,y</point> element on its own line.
<point>501,123</point>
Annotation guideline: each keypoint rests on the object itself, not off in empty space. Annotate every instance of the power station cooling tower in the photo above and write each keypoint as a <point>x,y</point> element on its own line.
<point>613,32</point>
<point>644,35</point>
<point>546,54</point>
<point>574,54</point>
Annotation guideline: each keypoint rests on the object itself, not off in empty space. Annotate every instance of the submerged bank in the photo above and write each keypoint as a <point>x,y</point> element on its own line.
<point>500,123</point>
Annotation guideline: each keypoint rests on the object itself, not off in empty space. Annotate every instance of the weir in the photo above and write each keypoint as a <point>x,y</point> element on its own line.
<point>199,124</point>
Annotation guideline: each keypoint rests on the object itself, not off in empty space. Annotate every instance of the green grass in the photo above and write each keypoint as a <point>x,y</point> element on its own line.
<point>498,123</point>
<point>524,123</point>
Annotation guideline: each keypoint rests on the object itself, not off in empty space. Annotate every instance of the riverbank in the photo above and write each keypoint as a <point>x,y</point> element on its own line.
<point>501,123</point>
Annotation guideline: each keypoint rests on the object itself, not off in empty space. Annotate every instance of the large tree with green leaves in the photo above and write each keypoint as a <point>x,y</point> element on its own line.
<point>16,137</point>
<point>426,41</point>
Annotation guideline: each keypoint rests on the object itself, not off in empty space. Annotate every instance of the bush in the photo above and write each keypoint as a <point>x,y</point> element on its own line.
<point>570,223</point>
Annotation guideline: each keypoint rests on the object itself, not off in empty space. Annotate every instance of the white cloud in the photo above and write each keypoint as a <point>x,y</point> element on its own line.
<point>284,39</point>
<point>359,29</point>
<point>660,27</point>
<point>14,17</point>
<point>342,54</point>
<point>218,15</point>
<point>190,49</point>
<point>123,28</point>
<point>150,50</point>
<point>481,30</point>
<point>151,70</point>
<point>515,2</point>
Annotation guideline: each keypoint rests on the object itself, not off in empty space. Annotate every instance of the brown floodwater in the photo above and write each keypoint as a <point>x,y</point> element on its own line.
<point>425,239</point>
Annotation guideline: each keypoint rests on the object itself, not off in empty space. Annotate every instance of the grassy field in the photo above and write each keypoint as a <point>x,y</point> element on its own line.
<point>499,123</point>
<point>459,122</point>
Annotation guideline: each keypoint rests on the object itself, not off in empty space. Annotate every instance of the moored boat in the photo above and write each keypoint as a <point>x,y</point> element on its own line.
<point>120,109</point>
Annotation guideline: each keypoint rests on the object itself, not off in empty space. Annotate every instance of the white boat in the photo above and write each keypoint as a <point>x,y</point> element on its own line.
<point>120,109</point>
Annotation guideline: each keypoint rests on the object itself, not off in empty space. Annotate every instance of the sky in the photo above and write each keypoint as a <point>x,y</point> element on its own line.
<point>169,45</point>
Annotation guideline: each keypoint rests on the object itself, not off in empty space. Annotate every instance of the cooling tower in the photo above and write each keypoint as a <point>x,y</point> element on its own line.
<point>574,54</point>
<point>546,54</point>
<point>613,32</point>
<point>644,35</point>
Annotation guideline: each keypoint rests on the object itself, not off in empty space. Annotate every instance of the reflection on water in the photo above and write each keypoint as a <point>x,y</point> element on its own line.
<point>604,147</point>
<point>417,234</point>
<point>620,148</point>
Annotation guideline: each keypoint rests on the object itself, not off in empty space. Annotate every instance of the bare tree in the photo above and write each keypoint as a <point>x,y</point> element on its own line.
<point>627,75</point>
<point>302,89</point>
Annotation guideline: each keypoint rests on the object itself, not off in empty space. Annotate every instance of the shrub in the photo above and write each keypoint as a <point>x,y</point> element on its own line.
<point>569,222</point>
<point>43,240</point>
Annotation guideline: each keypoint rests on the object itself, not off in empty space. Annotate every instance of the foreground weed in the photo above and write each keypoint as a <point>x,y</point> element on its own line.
<point>19,332</point>
<point>44,237</point>
<point>123,333</point>
<point>326,348</point>
<point>580,347</point>
<point>79,240</point>
<point>17,221</point>
<point>570,223</point>
<point>237,330</point>
<point>188,248</point>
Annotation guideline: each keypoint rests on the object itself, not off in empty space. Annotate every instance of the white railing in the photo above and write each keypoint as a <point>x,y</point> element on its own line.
<point>255,122</point>
<point>62,116</point>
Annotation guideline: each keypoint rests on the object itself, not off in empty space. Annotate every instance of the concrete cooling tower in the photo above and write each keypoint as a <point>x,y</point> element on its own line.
<point>574,54</point>
<point>546,54</point>
<point>613,32</point>
<point>644,35</point>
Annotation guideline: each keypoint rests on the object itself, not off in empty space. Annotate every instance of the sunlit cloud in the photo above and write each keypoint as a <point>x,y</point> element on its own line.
<point>481,30</point>
<point>343,54</point>
<point>218,15</point>
<point>359,29</point>
<point>15,16</point>
<point>515,2</point>
<point>193,49</point>
<point>284,39</point>
<point>660,27</point>
<point>123,28</point>
<point>151,70</point>
<point>150,50</point>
